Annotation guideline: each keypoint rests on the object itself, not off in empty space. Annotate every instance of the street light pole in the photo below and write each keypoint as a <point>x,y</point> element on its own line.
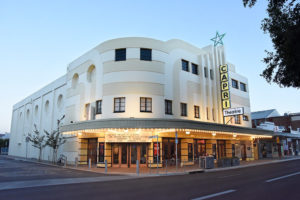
<point>176,142</point>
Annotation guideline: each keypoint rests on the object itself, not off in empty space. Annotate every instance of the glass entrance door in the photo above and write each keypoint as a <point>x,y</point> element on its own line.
<point>124,154</point>
<point>133,152</point>
<point>115,155</point>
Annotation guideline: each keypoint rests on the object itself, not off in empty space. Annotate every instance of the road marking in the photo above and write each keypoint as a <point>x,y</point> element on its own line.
<point>281,177</point>
<point>214,195</point>
<point>229,175</point>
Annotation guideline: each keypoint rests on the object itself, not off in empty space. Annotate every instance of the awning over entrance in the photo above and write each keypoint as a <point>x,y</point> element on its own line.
<point>160,123</point>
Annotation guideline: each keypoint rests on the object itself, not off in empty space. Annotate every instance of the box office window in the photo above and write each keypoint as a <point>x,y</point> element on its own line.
<point>168,107</point>
<point>146,54</point>
<point>119,104</point>
<point>194,69</point>
<point>190,151</point>
<point>156,152</point>
<point>197,111</point>
<point>120,54</point>
<point>101,152</point>
<point>99,107</point>
<point>145,104</point>
<point>185,65</point>
<point>183,108</point>
<point>234,84</point>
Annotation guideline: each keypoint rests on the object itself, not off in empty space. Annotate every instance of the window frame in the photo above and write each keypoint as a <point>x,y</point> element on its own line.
<point>116,53</point>
<point>146,104</point>
<point>237,83</point>
<point>197,112</point>
<point>183,109</point>
<point>187,62</point>
<point>195,66</point>
<point>245,118</point>
<point>168,111</point>
<point>97,107</point>
<point>120,103</point>
<point>244,87</point>
<point>145,58</point>
<point>237,119</point>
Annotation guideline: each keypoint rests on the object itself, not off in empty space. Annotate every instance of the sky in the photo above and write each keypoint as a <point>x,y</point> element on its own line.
<point>38,39</point>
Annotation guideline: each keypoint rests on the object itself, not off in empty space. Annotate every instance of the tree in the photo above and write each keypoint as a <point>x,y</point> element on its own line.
<point>37,140</point>
<point>283,25</point>
<point>55,140</point>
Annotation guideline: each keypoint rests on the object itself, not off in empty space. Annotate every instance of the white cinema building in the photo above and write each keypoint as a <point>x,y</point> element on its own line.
<point>118,94</point>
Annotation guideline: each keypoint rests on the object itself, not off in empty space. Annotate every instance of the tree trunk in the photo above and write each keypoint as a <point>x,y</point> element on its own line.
<point>40,154</point>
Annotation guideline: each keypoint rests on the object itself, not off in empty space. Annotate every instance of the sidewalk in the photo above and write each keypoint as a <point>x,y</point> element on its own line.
<point>170,170</point>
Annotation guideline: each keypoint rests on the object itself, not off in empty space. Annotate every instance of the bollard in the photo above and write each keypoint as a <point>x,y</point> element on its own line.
<point>137,167</point>
<point>105,166</point>
<point>176,164</point>
<point>199,162</point>
<point>90,163</point>
<point>166,167</point>
<point>66,162</point>
<point>76,162</point>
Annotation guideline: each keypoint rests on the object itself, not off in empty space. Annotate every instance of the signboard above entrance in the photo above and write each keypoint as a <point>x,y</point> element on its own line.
<point>233,111</point>
<point>127,137</point>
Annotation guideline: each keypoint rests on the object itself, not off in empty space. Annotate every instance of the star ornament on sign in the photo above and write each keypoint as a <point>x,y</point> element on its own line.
<point>218,39</point>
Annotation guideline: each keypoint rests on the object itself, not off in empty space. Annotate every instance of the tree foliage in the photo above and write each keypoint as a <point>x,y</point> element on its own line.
<point>38,141</point>
<point>283,25</point>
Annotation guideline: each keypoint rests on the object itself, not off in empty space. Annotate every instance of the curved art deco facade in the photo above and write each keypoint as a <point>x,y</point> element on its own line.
<point>132,78</point>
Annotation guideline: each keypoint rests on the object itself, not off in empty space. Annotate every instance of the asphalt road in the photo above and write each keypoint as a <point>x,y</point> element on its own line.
<point>275,181</point>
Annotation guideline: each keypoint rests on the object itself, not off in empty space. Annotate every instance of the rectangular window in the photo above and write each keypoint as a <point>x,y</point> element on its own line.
<point>237,119</point>
<point>207,113</point>
<point>235,84</point>
<point>183,108</point>
<point>243,87</point>
<point>194,69</point>
<point>211,72</point>
<point>185,65</point>
<point>197,111</point>
<point>101,152</point>
<point>190,151</point>
<point>119,104</point>
<point>145,104</point>
<point>146,54</point>
<point>213,114</point>
<point>120,54</point>
<point>156,152</point>
<point>245,118</point>
<point>99,107</point>
<point>205,72</point>
<point>168,107</point>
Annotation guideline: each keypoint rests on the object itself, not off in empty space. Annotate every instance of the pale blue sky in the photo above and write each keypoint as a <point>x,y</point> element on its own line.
<point>39,38</point>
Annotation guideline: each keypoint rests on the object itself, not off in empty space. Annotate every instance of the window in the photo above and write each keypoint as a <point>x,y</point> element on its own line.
<point>120,54</point>
<point>183,108</point>
<point>233,150</point>
<point>234,84</point>
<point>145,104</point>
<point>99,107</point>
<point>211,72</point>
<point>213,114</point>
<point>185,65</point>
<point>101,152</point>
<point>194,69</point>
<point>119,104</point>
<point>245,118</point>
<point>190,151</point>
<point>168,107</point>
<point>146,54</point>
<point>205,72</point>
<point>207,113</point>
<point>197,111</point>
<point>237,119</point>
<point>243,87</point>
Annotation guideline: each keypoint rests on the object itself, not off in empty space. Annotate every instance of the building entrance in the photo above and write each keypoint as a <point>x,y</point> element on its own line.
<point>92,150</point>
<point>126,155</point>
